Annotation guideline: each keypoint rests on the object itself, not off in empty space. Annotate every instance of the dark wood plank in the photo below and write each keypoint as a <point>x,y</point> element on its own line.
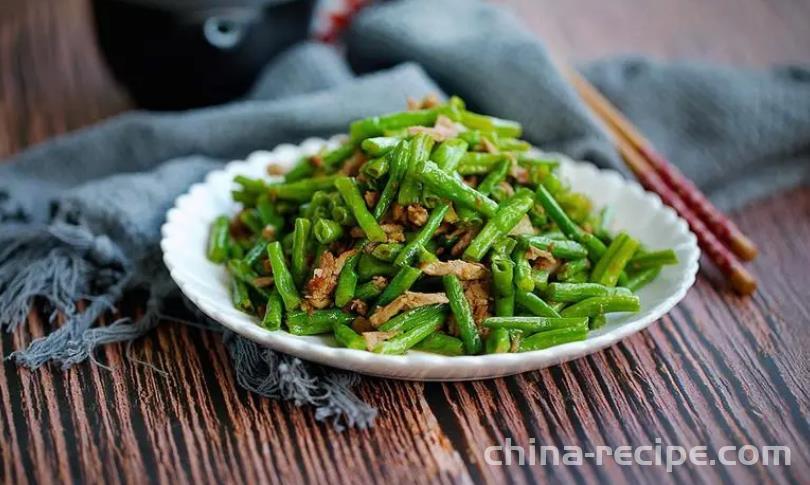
<point>718,370</point>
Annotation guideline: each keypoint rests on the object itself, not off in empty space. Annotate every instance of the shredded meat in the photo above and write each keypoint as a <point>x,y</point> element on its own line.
<point>477,293</point>
<point>395,232</point>
<point>352,165</point>
<point>275,169</point>
<point>550,265</point>
<point>324,279</point>
<point>358,306</point>
<point>269,232</point>
<point>429,101</point>
<point>361,324</point>
<point>375,338</point>
<point>507,189</point>
<point>462,269</point>
<point>443,129</point>
<point>397,213</point>
<point>371,197</point>
<point>406,301</point>
<point>519,173</point>
<point>534,253</point>
<point>462,243</point>
<point>417,215</point>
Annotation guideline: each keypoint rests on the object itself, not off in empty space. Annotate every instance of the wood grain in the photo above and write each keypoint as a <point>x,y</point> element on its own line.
<point>718,370</point>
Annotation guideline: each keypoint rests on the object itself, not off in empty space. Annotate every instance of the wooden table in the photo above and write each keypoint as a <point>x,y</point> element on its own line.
<point>718,370</point>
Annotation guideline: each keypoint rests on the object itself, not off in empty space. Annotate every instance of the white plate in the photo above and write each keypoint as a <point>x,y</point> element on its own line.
<point>642,214</point>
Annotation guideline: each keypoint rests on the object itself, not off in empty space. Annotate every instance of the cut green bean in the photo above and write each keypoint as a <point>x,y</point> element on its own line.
<point>523,270</point>
<point>300,250</point>
<point>375,169</point>
<point>274,311</point>
<point>552,338</point>
<point>642,278</point>
<point>402,282</point>
<point>369,290</point>
<point>612,263</point>
<point>413,318</point>
<point>368,266</point>
<point>346,337</point>
<point>571,269</point>
<point>397,166</point>
<point>595,247</point>
<point>559,249</point>
<point>463,314</point>
<point>652,259</point>
<point>301,190</point>
<point>347,187</point>
<point>240,295</point>
<point>534,304</point>
<point>282,277</point>
<point>574,292</point>
<point>387,252</point>
<point>505,219</point>
<point>602,304</point>
<point>449,187</point>
<point>498,341</point>
<point>505,128</point>
<point>440,343</point>
<point>532,325</point>
<point>400,343</point>
<point>449,153</point>
<point>379,146</point>
<point>318,321</point>
<point>347,281</point>
<point>327,231</point>
<point>410,251</point>
<point>218,240</point>
<point>411,189</point>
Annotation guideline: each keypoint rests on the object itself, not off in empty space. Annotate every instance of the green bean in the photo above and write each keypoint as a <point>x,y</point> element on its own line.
<point>502,275</point>
<point>426,256</point>
<point>560,249</point>
<point>652,259</point>
<point>268,214</point>
<point>301,190</point>
<point>273,312</point>
<point>512,144</point>
<point>250,219</point>
<point>534,304</point>
<point>440,343</point>
<point>505,128</point>
<point>377,125</point>
<point>449,153</point>
<point>240,295</point>
<point>347,337</point>
<point>503,246</point>
<point>255,254</point>
<point>505,306</point>
<point>300,247</point>
<point>495,177</point>
<point>413,318</point>
<point>368,266</point>
<point>348,189</point>
<point>347,281</point>
<point>523,270</point>
<point>642,278</point>
<point>319,321</point>
<point>411,189</point>
<point>594,246</point>
<point>463,314</point>
<point>532,325</point>
<point>498,341</point>
<point>376,168</point>
<point>327,231</point>
<point>540,278</point>
<point>334,157</point>
<point>400,343</point>
<point>302,169</point>
<point>379,146</point>
<point>597,321</point>
<point>282,277</point>
<point>239,269</point>
<point>505,219</point>
<point>425,234</point>
<point>397,166</point>
<point>387,251</point>
<point>370,289</point>
<point>552,338</point>
<point>235,249</point>
<point>612,263</point>
<point>574,292</point>
<point>253,185</point>
<point>487,161</point>
<point>343,216</point>
<point>570,269</point>
<point>402,282</point>
<point>602,304</point>
<point>449,187</point>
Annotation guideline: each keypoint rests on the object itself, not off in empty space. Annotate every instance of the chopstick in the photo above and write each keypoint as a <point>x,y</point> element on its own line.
<point>713,229</point>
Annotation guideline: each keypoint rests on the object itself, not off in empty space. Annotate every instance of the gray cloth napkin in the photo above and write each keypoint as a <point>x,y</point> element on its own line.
<point>81,213</point>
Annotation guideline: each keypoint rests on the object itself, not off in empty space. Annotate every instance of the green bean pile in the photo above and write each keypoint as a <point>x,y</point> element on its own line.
<point>435,229</point>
